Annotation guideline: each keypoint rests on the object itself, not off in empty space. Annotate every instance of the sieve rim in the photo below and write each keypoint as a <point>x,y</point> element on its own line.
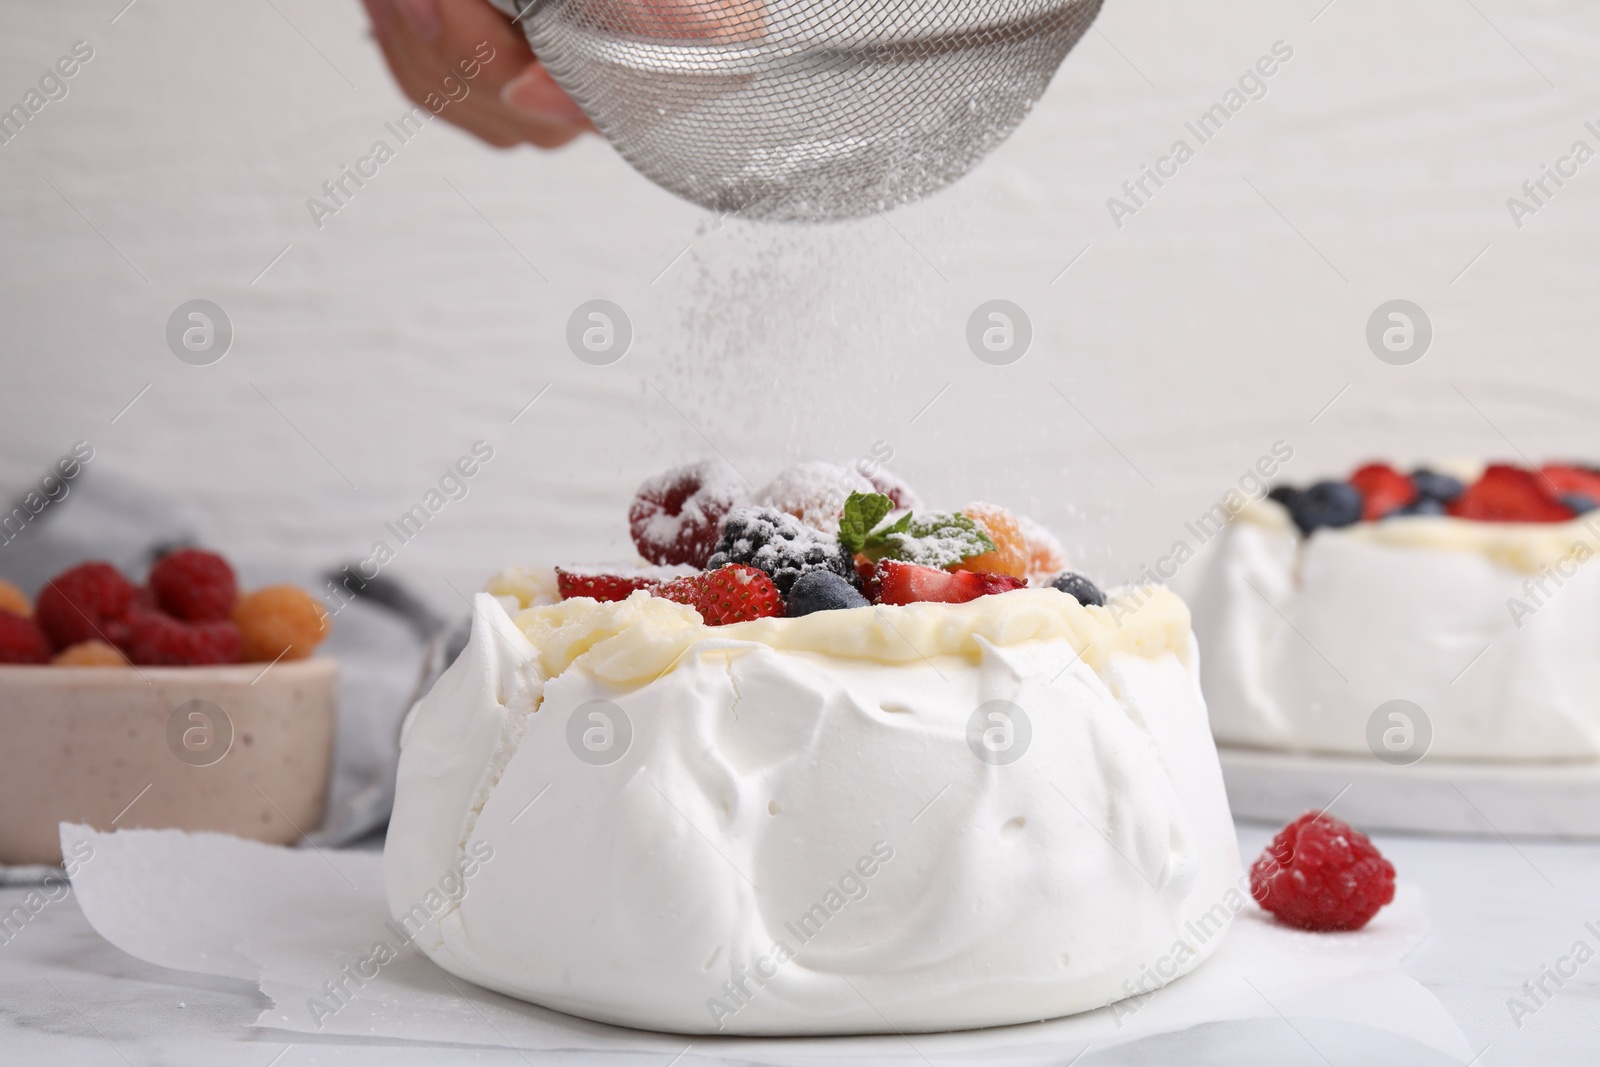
<point>709,57</point>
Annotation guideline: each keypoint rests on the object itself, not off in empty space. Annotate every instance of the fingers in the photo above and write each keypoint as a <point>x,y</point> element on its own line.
<point>464,61</point>
<point>535,94</point>
<point>422,16</point>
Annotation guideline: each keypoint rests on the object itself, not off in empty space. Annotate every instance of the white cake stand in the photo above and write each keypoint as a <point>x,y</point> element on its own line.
<point>1432,796</point>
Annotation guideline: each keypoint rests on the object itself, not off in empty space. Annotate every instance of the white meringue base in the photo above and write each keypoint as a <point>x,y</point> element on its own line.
<point>764,785</point>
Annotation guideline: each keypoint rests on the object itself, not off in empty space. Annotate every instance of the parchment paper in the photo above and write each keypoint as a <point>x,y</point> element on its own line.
<point>301,922</point>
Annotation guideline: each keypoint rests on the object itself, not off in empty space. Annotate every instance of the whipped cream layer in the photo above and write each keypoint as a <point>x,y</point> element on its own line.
<point>799,837</point>
<point>1493,629</point>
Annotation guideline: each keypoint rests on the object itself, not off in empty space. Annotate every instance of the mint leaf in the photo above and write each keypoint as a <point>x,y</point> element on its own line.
<point>862,511</point>
<point>877,543</point>
<point>937,539</point>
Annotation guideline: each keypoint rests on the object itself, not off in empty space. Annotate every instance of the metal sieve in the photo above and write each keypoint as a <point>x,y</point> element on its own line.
<point>803,110</point>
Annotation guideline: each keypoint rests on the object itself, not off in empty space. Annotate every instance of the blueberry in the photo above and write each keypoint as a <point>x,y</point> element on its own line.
<point>1421,506</point>
<point>1326,504</point>
<point>1283,494</point>
<point>1431,485</point>
<point>821,591</point>
<point>1076,585</point>
<point>1579,502</point>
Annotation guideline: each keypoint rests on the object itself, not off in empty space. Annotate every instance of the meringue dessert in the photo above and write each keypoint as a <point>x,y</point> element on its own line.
<point>1467,594</point>
<point>785,781</point>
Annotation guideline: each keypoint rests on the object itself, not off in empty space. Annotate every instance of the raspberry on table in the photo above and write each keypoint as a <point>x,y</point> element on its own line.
<point>1010,555</point>
<point>676,516</point>
<point>14,600</point>
<point>155,639</point>
<point>91,654</point>
<point>21,640</point>
<point>194,585</point>
<point>279,620</point>
<point>77,604</point>
<point>781,545</point>
<point>1321,874</point>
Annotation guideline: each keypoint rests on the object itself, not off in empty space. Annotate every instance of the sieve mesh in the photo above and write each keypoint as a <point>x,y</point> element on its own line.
<point>804,110</point>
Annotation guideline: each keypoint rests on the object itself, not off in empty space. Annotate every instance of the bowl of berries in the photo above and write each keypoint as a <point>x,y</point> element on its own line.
<point>183,703</point>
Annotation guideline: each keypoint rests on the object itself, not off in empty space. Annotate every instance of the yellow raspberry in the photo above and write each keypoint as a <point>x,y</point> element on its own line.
<point>14,600</point>
<point>92,653</point>
<point>1010,555</point>
<point>279,620</point>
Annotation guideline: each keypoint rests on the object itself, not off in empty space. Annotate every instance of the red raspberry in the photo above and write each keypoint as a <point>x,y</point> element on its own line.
<point>676,517</point>
<point>895,488</point>
<point>21,640</point>
<point>1320,874</point>
<point>734,593</point>
<point>77,604</point>
<point>814,493</point>
<point>157,640</point>
<point>194,585</point>
<point>115,631</point>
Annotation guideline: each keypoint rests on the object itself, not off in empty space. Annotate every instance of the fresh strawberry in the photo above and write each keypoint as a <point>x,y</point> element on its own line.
<point>1563,480</point>
<point>1510,494</point>
<point>867,571</point>
<point>1383,489</point>
<point>598,586</point>
<point>907,583</point>
<point>734,593</point>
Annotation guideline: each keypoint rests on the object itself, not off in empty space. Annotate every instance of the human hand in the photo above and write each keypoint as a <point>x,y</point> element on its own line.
<point>513,99</point>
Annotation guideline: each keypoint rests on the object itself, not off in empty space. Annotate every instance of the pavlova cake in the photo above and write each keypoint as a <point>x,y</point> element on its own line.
<point>1467,595</point>
<point>824,762</point>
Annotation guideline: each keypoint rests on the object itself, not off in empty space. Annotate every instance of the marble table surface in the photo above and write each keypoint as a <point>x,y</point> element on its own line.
<point>1505,912</point>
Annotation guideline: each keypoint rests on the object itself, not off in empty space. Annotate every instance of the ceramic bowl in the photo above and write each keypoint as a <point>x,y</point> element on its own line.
<point>242,749</point>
